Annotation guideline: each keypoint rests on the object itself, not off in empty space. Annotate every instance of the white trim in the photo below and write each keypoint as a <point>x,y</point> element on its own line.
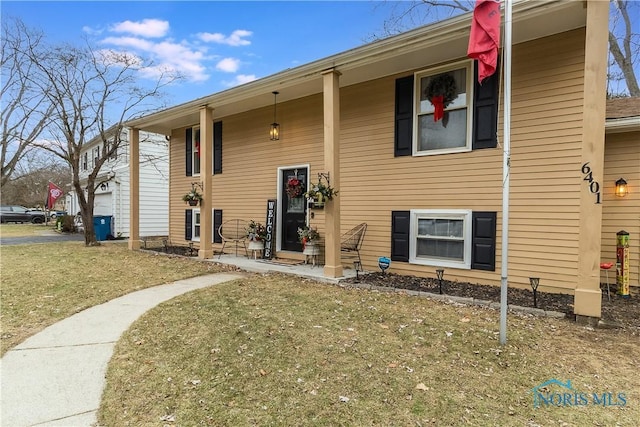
<point>462,214</point>
<point>279,200</point>
<point>417,76</point>
<point>626,124</point>
<point>195,211</point>
<point>193,151</point>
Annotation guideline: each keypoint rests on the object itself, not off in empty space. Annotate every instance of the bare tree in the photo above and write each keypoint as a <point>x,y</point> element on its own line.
<point>624,44</point>
<point>25,109</point>
<point>93,93</point>
<point>28,187</point>
<point>624,47</point>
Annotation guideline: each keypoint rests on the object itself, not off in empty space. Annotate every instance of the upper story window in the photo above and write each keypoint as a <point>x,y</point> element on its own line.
<point>96,155</point>
<point>196,150</point>
<point>85,161</point>
<point>443,121</point>
<point>108,146</point>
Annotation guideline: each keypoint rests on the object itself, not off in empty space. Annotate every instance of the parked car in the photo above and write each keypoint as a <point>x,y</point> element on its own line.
<point>20,214</point>
<point>54,214</point>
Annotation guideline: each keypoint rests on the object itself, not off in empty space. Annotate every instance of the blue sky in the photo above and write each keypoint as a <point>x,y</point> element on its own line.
<point>215,44</point>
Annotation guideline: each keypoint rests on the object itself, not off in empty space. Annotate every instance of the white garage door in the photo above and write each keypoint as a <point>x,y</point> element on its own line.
<point>102,204</point>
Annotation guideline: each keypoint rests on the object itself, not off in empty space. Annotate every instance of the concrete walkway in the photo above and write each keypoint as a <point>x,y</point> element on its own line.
<point>56,377</point>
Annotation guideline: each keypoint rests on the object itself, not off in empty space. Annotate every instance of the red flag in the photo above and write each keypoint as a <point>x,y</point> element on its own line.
<point>54,194</point>
<point>484,39</point>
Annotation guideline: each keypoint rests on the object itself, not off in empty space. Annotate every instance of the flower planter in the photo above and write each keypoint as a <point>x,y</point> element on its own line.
<point>314,204</point>
<point>193,202</point>
<point>310,248</point>
<point>256,245</point>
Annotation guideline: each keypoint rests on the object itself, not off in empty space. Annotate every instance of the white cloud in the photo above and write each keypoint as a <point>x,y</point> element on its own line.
<point>235,39</point>
<point>240,79</point>
<point>189,58</point>
<point>91,31</point>
<point>144,28</point>
<point>228,65</point>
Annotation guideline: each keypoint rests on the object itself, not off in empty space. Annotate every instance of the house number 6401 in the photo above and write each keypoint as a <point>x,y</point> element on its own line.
<point>594,186</point>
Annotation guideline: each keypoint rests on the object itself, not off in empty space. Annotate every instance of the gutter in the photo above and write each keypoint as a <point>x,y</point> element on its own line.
<point>435,34</point>
<point>626,124</point>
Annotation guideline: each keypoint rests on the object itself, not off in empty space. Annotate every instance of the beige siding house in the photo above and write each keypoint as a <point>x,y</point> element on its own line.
<point>430,190</point>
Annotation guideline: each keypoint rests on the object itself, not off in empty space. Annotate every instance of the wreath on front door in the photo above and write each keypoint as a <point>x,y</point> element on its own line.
<point>441,91</point>
<point>294,187</point>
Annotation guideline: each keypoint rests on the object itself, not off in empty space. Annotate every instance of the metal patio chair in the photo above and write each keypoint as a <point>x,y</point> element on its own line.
<point>351,241</point>
<point>233,231</point>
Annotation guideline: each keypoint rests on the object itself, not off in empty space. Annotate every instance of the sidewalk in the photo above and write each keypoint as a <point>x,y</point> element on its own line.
<point>56,377</point>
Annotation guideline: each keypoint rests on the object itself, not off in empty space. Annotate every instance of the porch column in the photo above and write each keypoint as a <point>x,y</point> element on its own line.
<point>588,297</point>
<point>134,188</point>
<point>206,177</point>
<point>331,91</point>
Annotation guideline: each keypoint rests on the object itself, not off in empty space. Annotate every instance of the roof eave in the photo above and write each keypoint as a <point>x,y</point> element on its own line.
<point>626,124</point>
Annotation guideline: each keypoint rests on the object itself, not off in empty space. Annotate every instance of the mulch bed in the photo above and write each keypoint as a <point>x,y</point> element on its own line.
<point>176,250</point>
<point>621,312</point>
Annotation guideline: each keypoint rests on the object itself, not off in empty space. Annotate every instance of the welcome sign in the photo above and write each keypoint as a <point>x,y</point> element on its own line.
<point>269,241</point>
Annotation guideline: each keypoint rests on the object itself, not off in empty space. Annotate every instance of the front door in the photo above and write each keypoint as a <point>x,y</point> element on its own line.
<point>294,210</point>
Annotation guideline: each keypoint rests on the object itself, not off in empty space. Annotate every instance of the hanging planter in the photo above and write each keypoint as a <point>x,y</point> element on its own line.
<point>441,91</point>
<point>193,198</point>
<point>319,193</point>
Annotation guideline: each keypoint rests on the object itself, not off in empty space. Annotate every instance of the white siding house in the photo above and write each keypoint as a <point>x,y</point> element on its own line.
<point>112,194</point>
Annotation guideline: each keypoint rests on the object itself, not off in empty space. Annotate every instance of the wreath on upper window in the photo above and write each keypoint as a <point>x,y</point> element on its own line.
<point>441,91</point>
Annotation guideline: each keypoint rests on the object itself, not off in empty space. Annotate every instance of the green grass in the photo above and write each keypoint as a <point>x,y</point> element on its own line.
<point>23,230</point>
<point>276,350</point>
<point>44,283</point>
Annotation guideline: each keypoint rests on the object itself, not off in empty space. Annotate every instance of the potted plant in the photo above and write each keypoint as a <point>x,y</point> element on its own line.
<point>294,187</point>
<point>193,198</point>
<point>319,194</point>
<point>256,233</point>
<point>309,237</point>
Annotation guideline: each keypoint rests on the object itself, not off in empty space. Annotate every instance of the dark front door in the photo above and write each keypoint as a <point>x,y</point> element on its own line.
<point>294,210</point>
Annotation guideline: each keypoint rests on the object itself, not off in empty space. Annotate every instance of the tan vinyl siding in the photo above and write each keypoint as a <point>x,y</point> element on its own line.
<point>621,160</point>
<point>545,181</point>
<point>250,160</point>
<point>545,174</point>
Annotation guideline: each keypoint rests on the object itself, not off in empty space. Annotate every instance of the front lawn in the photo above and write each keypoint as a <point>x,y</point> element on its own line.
<point>44,283</point>
<point>277,350</point>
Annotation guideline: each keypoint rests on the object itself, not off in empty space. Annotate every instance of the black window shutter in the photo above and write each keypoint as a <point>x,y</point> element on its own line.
<point>400,224</point>
<point>217,147</point>
<point>483,242</point>
<point>404,117</point>
<point>189,152</point>
<point>485,111</point>
<point>188,224</point>
<point>217,222</point>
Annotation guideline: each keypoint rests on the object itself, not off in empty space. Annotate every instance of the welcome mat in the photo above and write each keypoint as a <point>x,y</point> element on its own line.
<point>282,261</point>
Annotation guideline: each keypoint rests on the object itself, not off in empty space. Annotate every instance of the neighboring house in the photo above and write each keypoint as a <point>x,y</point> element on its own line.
<point>112,197</point>
<point>430,191</point>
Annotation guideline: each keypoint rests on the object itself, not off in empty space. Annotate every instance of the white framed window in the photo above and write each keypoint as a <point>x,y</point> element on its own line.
<point>440,238</point>
<point>195,225</point>
<point>195,150</point>
<point>96,155</point>
<point>452,132</point>
<point>85,161</point>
